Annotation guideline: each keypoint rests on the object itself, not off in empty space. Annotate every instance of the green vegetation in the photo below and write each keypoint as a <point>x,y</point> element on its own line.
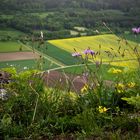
<point>81,69</point>
<point>85,83</point>
<point>12,46</point>
<point>21,65</point>
<point>54,52</point>
<point>60,17</point>
<point>42,14</point>
<point>30,109</point>
<point>7,34</point>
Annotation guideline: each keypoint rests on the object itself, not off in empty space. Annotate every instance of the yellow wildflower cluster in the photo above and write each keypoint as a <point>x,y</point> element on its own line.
<point>73,96</point>
<point>102,109</point>
<point>115,71</point>
<point>120,87</point>
<point>131,84</point>
<point>85,88</point>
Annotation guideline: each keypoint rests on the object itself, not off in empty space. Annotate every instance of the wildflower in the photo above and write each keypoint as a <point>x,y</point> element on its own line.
<point>76,54</point>
<point>85,88</point>
<point>136,30</point>
<point>102,109</point>
<point>131,84</point>
<point>114,71</point>
<point>89,51</point>
<point>73,96</point>
<point>120,87</point>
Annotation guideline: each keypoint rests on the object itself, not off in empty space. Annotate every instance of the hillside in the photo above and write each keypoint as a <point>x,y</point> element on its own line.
<point>58,19</point>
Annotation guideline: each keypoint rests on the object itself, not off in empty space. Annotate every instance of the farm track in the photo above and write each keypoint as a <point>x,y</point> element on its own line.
<point>44,55</point>
<point>79,65</point>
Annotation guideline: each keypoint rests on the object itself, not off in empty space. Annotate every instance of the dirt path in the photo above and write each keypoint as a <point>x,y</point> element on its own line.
<point>18,56</point>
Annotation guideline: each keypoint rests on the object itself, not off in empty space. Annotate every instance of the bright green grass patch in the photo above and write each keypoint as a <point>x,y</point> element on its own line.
<point>56,53</point>
<point>102,44</point>
<point>28,64</point>
<point>12,46</point>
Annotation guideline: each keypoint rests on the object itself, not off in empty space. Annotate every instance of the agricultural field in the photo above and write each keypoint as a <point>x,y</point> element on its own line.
<point>21,65</point>
<point>12,46</point>
<point>56,53</point>
<point>110,48</point>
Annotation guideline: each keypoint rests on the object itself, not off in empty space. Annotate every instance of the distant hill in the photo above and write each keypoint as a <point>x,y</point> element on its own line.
<point>40,5</point>
<point>58,18</point>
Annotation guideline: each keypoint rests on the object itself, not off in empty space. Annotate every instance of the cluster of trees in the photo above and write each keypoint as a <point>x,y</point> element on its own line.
<point>40,5</point>
<point>67,14</point>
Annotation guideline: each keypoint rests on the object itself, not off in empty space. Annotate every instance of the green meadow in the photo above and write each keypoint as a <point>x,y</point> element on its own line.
<point>12,46</point>
<point>21,65</point>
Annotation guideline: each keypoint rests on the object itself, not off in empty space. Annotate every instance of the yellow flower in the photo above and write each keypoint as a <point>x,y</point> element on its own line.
<point>73,96</point>
<point>114,71</point>
<point>85,88</point>
<point>131,84</point>
<point>102,109</point>
<point>120,87</point>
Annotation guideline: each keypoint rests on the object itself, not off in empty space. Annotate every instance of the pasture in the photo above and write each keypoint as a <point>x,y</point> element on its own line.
<point>12,46</point>
<point>21,65</point>
<point>55,53</point>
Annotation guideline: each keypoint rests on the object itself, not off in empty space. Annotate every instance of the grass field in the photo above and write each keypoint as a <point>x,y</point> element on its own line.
<point>119,49</point>
<point>12,46</point>
<point>28,64</point>
<point>56,53</point>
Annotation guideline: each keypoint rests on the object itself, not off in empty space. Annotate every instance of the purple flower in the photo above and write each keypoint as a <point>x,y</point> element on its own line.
<point>89,51</point>
<point>76,54</point>
<point>136,30</point>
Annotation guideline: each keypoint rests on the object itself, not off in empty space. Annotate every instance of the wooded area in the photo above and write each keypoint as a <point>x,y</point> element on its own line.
<point>58,18</point>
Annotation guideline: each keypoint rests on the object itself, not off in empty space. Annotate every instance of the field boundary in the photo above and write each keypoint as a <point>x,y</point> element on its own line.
<point>45,56</point>
<point>90,64</point>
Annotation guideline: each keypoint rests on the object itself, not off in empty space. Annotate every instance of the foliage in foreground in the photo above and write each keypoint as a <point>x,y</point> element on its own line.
<point>31,110</point>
